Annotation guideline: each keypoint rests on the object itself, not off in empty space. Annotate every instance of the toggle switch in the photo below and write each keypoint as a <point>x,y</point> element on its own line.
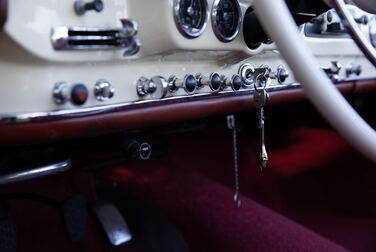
<point>214,81</point>
<point>189,83</point>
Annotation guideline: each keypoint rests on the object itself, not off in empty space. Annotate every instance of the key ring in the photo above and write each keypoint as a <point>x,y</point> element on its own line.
<point>262,80</point>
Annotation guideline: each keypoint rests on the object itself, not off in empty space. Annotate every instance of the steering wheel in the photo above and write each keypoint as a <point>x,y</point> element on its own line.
<point>317,86</point>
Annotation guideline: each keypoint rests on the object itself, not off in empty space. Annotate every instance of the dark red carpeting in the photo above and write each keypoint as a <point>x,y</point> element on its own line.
<point>205,213</point>
<point>308,169</point>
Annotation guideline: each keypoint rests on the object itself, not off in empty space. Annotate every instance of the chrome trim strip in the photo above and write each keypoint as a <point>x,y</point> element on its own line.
<point>29,174</point>
<point>38,117</point>
<point>35,117</point>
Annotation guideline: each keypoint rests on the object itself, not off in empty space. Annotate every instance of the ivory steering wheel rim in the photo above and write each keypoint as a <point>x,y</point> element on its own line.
<point>316,84</point>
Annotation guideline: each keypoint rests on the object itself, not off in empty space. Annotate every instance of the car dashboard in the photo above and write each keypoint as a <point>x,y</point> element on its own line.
<point>125,123</point>
<point>70,68</point>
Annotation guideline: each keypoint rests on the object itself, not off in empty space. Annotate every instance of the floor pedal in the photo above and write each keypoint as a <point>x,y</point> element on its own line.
<point>8,236</point>
<point>74,215</point>
<point>113,223</point>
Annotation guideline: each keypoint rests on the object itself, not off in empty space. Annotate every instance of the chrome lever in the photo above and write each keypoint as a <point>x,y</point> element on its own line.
<point>34,173</point>
<point>89,38</point>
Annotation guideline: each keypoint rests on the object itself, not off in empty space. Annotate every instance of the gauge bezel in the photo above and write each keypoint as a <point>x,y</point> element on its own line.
<point>217,33</point>
<point>190,32</point>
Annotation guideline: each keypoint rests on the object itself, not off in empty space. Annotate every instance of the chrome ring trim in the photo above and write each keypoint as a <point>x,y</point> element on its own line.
<point>217,33</point>
<point>35,173</point>
<point>140,151</point>
<point>188,33</point>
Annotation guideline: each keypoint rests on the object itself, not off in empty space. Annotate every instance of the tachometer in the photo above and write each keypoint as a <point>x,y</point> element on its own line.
<point>191,17</point>
<point>226,19</point>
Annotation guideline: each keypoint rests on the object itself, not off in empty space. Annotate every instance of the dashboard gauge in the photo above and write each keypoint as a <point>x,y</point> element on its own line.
<point>191,17</point>
<point>226,19</point>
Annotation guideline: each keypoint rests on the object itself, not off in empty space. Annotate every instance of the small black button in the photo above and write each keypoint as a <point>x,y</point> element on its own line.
<point>79,94</point>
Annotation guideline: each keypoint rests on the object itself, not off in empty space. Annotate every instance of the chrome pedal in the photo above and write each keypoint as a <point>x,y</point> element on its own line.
<point>113,223</point>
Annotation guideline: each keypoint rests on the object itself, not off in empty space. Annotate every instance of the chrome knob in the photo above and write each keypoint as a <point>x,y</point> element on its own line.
<point>76,93</point>
<point>80,6</point>
<point>333,70</point>
<point>214,81</point>
<point>103,90</point>
<point>280,75</point>
<point>61,93</point>
<point>155,88</point>
<point>145,87</point>
<point>189,83</point>
<point>235,82</point>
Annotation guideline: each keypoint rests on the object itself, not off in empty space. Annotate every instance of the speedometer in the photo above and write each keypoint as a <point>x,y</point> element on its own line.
<point>191,17</point>
<point>226,19</point>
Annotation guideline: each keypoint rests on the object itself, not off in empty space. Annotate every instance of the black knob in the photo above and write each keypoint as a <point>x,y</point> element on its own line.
<point>137,150</point>
<point>190,83</point>
<point>362,20</point>
<point>353,69</point>
<point>215,82</point>
<point>329,16</point>
<point>81,7</point>
<point>236,82</point>
<point>79,94</point>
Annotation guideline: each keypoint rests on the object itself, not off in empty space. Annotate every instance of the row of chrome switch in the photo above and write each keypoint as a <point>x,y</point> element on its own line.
<point>158,87</point>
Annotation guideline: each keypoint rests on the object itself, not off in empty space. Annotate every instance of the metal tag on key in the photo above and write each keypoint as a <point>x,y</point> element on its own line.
<point>260,97</point>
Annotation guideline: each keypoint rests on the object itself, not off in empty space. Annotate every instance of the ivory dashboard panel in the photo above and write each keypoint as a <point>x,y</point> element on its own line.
<point>31,66</point>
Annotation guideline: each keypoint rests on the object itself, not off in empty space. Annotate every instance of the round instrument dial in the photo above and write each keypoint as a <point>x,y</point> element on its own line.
<point>191,17</point>
<point>226,19</point>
